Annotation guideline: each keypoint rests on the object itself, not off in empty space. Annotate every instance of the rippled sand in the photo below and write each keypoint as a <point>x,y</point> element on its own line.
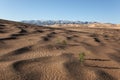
<point>29,52</point>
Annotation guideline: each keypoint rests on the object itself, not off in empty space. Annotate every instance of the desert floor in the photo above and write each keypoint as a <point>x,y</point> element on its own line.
<point>29,52</point>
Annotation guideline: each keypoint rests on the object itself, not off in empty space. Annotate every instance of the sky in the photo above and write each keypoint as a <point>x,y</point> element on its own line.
<point>106,11</point>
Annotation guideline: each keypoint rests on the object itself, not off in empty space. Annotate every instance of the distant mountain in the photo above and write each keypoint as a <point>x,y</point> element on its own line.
<point>52,22</point>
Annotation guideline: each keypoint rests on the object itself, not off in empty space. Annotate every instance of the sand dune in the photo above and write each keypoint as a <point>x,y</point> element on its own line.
<point>30,52</point>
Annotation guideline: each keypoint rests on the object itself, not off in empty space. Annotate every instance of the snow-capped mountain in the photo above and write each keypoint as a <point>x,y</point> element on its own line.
<point>52,22</point>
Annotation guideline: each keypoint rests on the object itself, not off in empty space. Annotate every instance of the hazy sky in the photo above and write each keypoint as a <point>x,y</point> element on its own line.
<point>83,10</point>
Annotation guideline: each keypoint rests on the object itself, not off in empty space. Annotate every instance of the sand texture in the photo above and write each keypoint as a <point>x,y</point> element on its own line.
<point>30,52</point>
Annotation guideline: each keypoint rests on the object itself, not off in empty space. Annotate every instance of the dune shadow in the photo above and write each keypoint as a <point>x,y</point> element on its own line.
<point>2,31</point>
<point>102,75</point>
<point>8,38</point>
<point>75,69</point>
<point>23,31</point>
<point>45,38</point>
<point>15,35</point>
<point>103,67</point>
<point>96,40</point>
<point>97,59</point>
<point>40,31</point>
<point>96,66</point>
<point>2,25</point>
<point>20,51</point>
<point>16,52</point>
<point>20,67</point>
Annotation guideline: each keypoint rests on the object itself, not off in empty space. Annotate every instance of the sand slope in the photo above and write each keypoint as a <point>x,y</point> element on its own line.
<point>29,52</point>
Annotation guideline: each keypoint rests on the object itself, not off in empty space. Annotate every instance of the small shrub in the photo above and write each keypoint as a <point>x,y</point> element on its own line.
<point>64,42</point>
<point>82,57</point>
<point>58,41</point>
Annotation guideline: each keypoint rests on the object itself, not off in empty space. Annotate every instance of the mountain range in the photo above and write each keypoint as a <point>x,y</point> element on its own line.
<point>52,22</point>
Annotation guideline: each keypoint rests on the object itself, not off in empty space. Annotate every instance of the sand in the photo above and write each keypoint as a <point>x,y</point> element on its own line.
<point>30,52</point>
